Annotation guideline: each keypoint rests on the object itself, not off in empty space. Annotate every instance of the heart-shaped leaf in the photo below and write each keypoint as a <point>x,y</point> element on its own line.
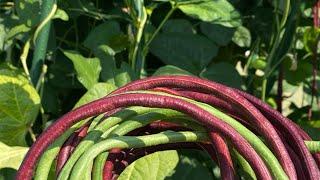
<point>156,166</point>
<point>224,73</point>
<point>88,69</point>
<point>190,52</point>
<point>19,106</point>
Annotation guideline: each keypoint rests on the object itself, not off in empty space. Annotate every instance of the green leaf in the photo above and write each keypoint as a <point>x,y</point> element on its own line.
<point>261,23</point>
<point>219,34</point>
<point>107,61</point>
<point>7,173</point>
<point>310,38</point>
<point>312,127</point>
<point>178,26</point>
<point>88,69</point>
<point>103,34</point>
<point>99,90</point>
<point>189,52</point>
<point>50,99</point>
<point>217,11</point>
<point>61,14</point>
<point>22,28</point>
<point>223,73</point>
<point>62,75</point>
<point>11,157</point>
<point>28,12</point>
<point>110,73</point>
<point>171,70</point>
<point>190,168</point>
<point>19,106</point>
<point>124,75</point>
<point>296,71</point>
<point>242,37</point>
<point>119,42</point>
<point>155,166</point>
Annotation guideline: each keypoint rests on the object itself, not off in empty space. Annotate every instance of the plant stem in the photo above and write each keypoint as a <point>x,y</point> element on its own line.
<point>279,90</point>
<point>23,58</point>
<point>279,28</point>
<point>41,78</point>
<point>285,13</point>
<point>264,89</point>
<point>32,135</point>
<point>314,89</point>
<point>173,8</point>
<point>138,57</point>
<point>135,56</point>
<point>41,41</point>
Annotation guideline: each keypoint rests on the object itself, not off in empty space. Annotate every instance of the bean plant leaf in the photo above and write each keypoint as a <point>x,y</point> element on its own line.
<point>107,61</point>
<point>103,34</point>
<point>99,90</point>
<point>224,73</point>
<point>28,12</point>
<point>310,38</point>
<point>124,75</point>
<point>171,70</point>
<point>297,74</point>
<point>242,37</point>
<point>88,69</point>
<point>178,26</point>
<point>156,166</point>
<point>61,14</point>
<point>62,74</point>
<point>217,11</point>
<point>219,34</point>
<point>189,52</point>
<point>110,73</point>
<point>22,28</point>
<point>19,106</point>
<point>11,157</point>
<point>190,168</point>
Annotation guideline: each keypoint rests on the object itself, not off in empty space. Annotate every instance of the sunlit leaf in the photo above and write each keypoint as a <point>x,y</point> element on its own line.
<point>217,11</point>
<point>61,14</point>
<point>154,166</point>
<point>19,105</point>
<point>88,69</point>
<point>11,157</point>
<point>242,37</point>
<point>99,90</point>
<point>110,73</point>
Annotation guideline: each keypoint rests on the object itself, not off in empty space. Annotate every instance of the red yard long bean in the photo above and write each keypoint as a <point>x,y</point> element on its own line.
<point>192,97</point>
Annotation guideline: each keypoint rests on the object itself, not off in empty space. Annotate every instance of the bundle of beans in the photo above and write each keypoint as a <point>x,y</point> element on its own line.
<point>98,140</point>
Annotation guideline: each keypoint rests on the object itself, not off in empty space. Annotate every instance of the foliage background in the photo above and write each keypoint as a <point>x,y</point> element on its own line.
<point>88,48</point>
